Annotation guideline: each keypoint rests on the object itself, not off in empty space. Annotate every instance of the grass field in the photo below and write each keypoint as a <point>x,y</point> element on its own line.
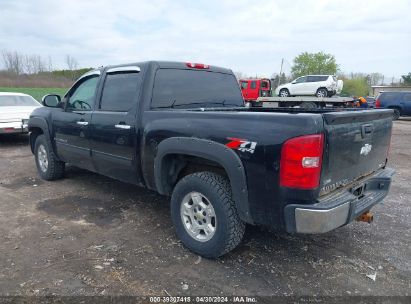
<point>37,93</point>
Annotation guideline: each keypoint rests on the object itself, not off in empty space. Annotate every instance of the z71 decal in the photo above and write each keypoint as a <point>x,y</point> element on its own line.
<point>242,145</point>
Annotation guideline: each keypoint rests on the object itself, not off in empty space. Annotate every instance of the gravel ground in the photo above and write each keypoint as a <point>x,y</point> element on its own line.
<point>91,235</point>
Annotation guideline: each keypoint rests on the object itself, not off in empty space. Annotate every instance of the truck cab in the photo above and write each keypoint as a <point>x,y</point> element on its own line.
<point>254,88</point>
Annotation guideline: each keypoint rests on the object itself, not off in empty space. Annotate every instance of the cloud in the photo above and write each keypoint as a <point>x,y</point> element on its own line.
<point>247,36</point>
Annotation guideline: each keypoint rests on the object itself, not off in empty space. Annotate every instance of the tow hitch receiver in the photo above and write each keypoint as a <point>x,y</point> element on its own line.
<point>367,217</point>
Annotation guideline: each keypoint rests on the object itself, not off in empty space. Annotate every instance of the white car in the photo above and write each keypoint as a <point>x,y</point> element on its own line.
<point>15,110</point>
<point>318,85</point>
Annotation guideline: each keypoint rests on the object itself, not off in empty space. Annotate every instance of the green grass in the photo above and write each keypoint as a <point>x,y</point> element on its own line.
<point>37,93</point>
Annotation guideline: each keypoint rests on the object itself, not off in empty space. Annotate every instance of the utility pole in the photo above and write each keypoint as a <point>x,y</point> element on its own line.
<point>281,71</point>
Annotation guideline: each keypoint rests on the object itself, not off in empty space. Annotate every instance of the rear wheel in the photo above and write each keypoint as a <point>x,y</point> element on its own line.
<point>322,93</point>
<point>204,214</point>
<point>48,167</point>
<point>397,114</point>
<point>284,93</point>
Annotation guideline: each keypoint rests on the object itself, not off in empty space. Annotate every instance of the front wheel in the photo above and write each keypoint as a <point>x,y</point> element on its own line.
<point>48,167</point>
<point>204,214</point>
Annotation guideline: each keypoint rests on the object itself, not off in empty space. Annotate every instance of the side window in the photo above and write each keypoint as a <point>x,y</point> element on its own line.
<point>120,91</point>
<point>311,79</point>
<point>407,97</point>
<point>253,84</point>
<point>82,98</point>
<point>389,97</point>
<point>301,79</point>
<point>244,85</point>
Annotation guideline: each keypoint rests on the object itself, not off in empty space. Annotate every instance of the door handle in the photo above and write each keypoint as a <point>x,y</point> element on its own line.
<point>82,123</point>
<point>125,127</point>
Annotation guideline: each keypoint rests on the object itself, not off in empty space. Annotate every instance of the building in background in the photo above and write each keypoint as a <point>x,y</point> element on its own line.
<point>376,89</point>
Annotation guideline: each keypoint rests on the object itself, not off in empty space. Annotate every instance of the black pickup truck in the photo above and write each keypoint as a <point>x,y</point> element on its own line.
<point>182,129</point>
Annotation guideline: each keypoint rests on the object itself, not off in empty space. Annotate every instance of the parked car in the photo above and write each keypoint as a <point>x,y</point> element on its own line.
<point>317,85</point>
<point>400,102</point>
<point>254,88</point>
<point>160,126</point>
<point>15,109</point>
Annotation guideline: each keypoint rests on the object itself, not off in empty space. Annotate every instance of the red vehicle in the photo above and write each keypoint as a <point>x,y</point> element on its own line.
<point>254,88</point>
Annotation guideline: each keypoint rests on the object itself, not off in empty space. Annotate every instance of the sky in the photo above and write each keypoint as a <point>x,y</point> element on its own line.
<point>247,36</point>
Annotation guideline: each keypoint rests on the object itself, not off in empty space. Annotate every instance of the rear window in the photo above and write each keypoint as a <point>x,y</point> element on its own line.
<point>192,88</point>
<point>17,101</point>
<point>119,92</point>
<point>316,78</point>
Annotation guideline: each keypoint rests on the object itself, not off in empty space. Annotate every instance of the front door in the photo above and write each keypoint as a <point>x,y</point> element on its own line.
<point>298,86</point>
<point>114,144</point>
<point>71,127</point>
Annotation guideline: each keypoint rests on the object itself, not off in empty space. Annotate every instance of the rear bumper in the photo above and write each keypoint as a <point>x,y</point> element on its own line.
<point>338,209</point>
<point>13,127</point>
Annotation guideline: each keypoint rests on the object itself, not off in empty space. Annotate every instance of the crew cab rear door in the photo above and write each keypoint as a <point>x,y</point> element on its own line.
<point>113,125</point>
<point>356,145</point>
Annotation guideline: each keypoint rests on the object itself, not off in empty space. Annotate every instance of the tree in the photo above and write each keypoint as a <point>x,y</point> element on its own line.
<point>13,62</point>
<point>406,79</point>
<point>33,64</point>
<point>314,63</point>
<point>239,75</point>
<point>72,65</point>
<point>355,87</point>
<point>376,78</point>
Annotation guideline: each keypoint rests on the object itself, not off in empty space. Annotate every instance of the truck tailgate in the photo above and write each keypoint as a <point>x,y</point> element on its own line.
<point>356,145</point>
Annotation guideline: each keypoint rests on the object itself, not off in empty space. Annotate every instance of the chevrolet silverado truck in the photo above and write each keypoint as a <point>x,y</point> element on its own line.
<point>182,130</point>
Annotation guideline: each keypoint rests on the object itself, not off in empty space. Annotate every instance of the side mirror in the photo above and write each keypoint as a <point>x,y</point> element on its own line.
<point>51,100</point>
<point>294,82</point>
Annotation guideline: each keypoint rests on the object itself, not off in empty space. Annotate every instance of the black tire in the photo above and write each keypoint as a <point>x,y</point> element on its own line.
<point>397,114</point>
<point>284,93</point>
<point>229,229</point>
<point>321,93</point>
<point>55,168</point>
<point>308,105</point>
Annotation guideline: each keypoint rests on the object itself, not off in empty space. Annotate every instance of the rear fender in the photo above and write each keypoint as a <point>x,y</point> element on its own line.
<point>212,151</point>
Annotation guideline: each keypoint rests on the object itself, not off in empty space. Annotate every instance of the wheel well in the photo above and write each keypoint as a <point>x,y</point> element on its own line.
<point>395,107</point>
<point>177,166</point>
<point>322,88</point>
<point>34,132</point>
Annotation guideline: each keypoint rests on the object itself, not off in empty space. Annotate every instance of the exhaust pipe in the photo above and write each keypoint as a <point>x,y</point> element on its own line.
<point>367,217</point>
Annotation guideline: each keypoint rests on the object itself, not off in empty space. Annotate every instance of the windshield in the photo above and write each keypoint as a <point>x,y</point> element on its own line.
<point>17,101</point>
<point>176,88</point>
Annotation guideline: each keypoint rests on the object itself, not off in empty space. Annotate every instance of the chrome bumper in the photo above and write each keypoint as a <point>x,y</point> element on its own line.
<point>320,221</point>
<point>13,127</point>
<point>338,209</point>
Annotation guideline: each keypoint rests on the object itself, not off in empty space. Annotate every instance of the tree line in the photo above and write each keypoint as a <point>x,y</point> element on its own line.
<point>22,70</point>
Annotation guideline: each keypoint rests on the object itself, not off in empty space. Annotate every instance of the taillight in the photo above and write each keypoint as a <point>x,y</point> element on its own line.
<point>377,103</point>
<point>197,65</point>
<point>301,159</point>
